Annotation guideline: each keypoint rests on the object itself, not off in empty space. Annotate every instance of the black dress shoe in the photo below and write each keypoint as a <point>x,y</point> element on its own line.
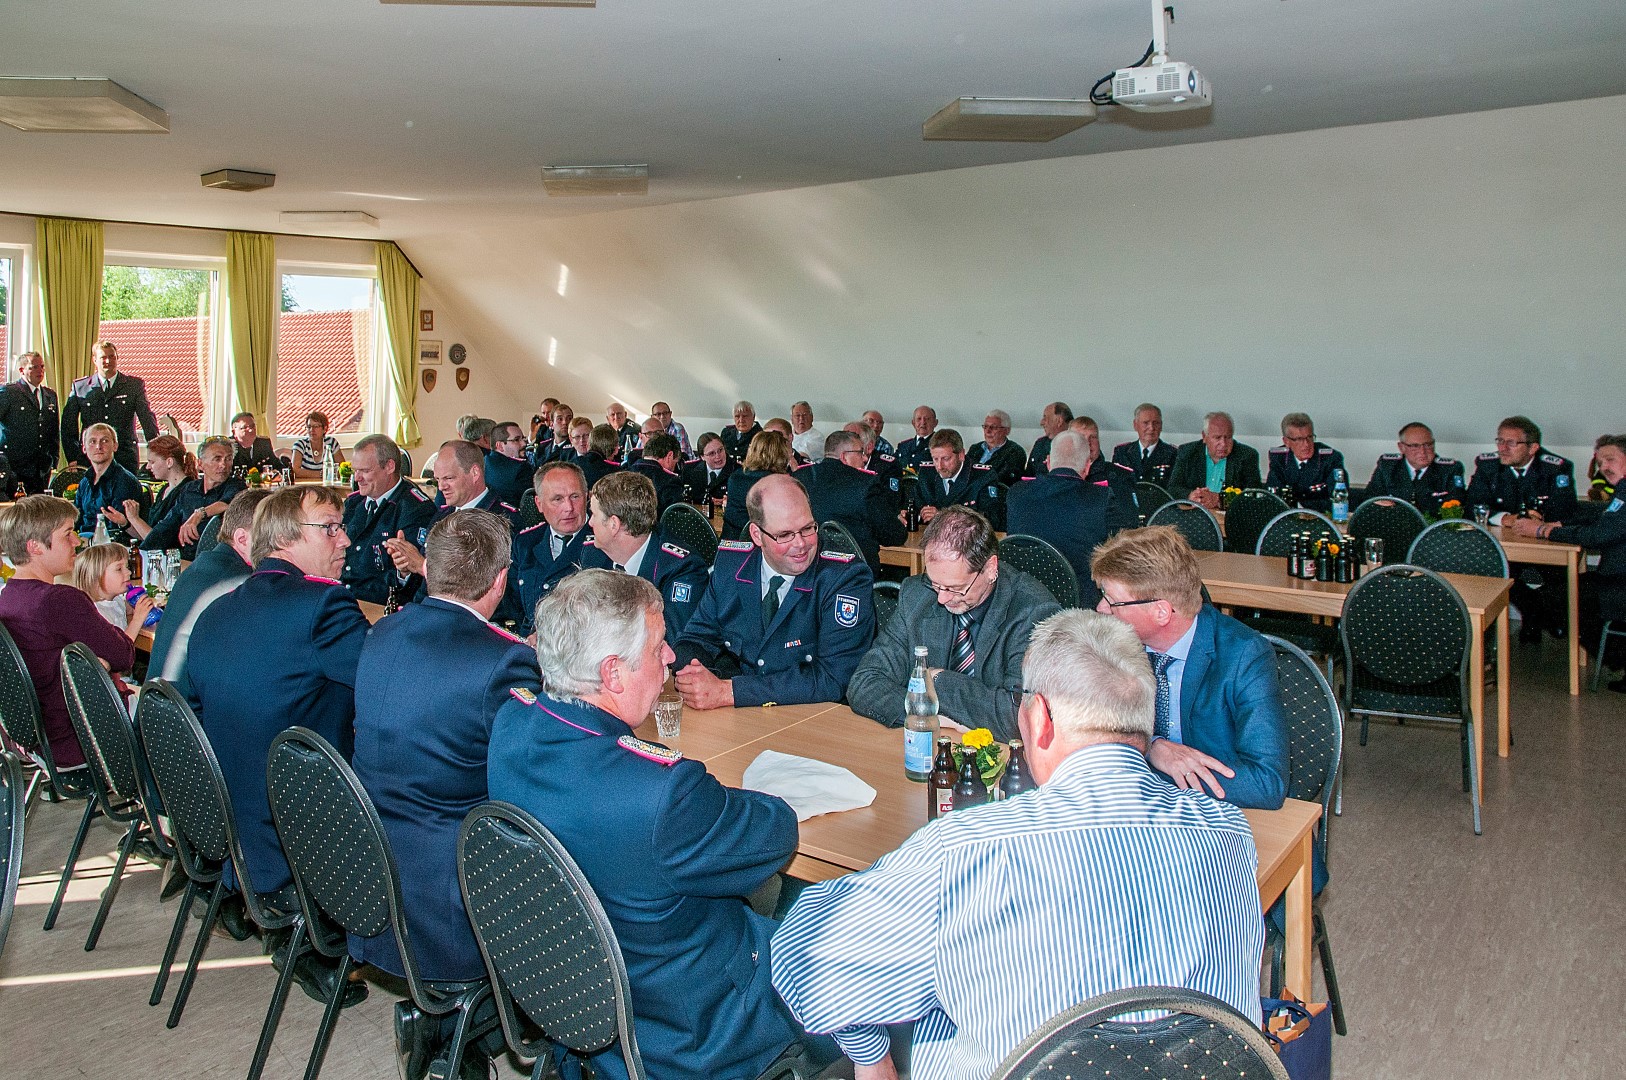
<point>415,1035</point>
<point>1529,634</point>
<point>318,977</point>
<point>233,919</point>
<point>145,847</point>
<point>174,882</point>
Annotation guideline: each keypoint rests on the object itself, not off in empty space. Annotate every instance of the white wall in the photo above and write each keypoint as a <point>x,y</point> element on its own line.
<point>1453,269</point>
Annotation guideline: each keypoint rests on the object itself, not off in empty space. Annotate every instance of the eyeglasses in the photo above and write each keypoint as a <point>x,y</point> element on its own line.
<point>1418,445</point>
<point>1512,442</point>
<point>331,528</point>
<point>955,591</point>
<point>1116,604</point>
<point>1298,438</point>
<point>1016,696</point>
<point>806,532</point>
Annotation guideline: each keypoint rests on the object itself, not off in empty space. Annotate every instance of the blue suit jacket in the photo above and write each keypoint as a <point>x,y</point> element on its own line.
<point>296,666</point>
<point>810,649</point>
<point>670,852</point>
<point>536,571</point>
<point>677,572</point>
<point>430,681</point>
<point>1231,708</point>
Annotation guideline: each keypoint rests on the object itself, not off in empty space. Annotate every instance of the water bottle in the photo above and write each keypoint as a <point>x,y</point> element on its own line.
<point>1340,497</point>
<point>919,721</point>
<point>100,536</point>
<point>330,469</point>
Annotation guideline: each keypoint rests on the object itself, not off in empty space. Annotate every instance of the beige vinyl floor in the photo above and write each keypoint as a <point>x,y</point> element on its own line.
<point>1459,956</point>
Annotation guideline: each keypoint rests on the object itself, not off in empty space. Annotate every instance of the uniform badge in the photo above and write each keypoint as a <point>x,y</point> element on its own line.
<point>846,611</point>
<point>1616,505</point>
<point>655,752</point>
<point>892,482</point>
<point>522,695</point>
<point>1561,481</point>
<point>680,592</point>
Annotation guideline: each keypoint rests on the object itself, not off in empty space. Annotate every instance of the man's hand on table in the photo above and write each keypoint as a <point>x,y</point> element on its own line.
<point>1187,768</point>
<point>703,690</point>
<point>1204,497</point>
<point>881,1070</point>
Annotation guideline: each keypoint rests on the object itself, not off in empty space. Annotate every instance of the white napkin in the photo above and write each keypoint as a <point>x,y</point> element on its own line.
<point>810,787</point>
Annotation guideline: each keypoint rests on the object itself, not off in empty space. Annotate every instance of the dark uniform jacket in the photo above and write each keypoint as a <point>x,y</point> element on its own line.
<point>592,465</point>
<point>1038,456</point>
<point>1152,468</point>
<point>1068,512</point>
<point>509,477</point>
<point>981,699</point>
<point>976,486</point>
<point>118,407</point>
<point>179,504</point>
<point>508,611</point>
<point>29,434</point>
<point>668,485</point>
<point>678,573</point>
<point>807,652</point>
<point>885,464</point>
<point>1440,482</point>
<point>916,454</point>
<point>1607,535</point>
<point>262,455</point>
<point>1123,510</point>
<point>368,571</point>
<point>536,571</point>
<point>219,567</point>
<point>699,485</point>
<point>111,489</point>
<point>669,852</point>
<point>857,499</point>
<point>735,519</point>
<point>429,684</point>
<point>1190,470</point>
<point>1008,461</point>
<point>628,441</point>
<point>297,667</point>
<point>1310,480</point>
<point>1548,485</point>
<point>737,442</point>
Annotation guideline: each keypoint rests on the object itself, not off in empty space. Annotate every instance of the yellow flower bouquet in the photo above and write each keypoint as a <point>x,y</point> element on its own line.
<point>990,755</point>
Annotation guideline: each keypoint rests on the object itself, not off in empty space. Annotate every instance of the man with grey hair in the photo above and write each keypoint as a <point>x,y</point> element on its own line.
<point>972,614</point>
<point>1146,453</point>
<point>877,423</point>
<point>384,505</point>
<point>916,453</point>
<point>1054,420</point>
<point>842,490</point>
<point>805,439</point>
<point>882,464</point>
<point>668,850</point>
<point>476,429</point>
<point>737,436</point>
<point>1304,466</point>
<point>1063,508</point>
<point>1207,466</point>
<point>1123,880</point>
<point>1005,458</point>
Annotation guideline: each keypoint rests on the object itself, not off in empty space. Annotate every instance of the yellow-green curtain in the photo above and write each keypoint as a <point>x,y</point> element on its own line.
<point>251,297</point>
<point>398,289</point>
<point>68,256</point>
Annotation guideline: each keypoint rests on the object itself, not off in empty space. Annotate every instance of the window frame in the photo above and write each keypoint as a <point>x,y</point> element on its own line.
<point>370,387</point>
<point>219,397</point>
<point>20,316</point>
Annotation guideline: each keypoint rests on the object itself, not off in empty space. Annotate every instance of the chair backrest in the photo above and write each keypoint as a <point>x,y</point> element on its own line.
<point>1246,516</point>
<point>547,943</point>
<point>1315,726</point>
<point>1194,521</point>
<point>11,837</point>
<point>1150,496</point>
<point>1278,534</point>
<point>689,527</point>
<point>886,603</point>
<point>1201,1036</point>
<point>529,514</point>
<point>1394,521</point>
<point>187,775</point>
<point>834,536</point>
<point>1458,547</point>
<point>1040,558</point>
<point>20,706</point>
<point>97,713</point>
<point>1406,626</point>
<point>209,535</point>
<point>66,477</point>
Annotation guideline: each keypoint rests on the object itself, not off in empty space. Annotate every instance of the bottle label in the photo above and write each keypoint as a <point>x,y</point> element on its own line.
<point>917,751</point>
<point>917,684</point>
<point>944,798</point>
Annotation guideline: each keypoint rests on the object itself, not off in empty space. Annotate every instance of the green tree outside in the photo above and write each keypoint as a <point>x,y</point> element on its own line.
<point>154,292</point>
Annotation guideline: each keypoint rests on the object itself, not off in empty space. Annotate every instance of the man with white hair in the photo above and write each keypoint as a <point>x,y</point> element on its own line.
<point>668,850</point>
<point>1122,880</point>
<point>877,423</point>
<point>1005,458</point>
<point>737,437</point>
<point>805,439</point>
<point>1063,508</point>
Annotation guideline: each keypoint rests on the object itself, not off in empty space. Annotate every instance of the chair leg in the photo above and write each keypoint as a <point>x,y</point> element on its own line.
<point>73,857</point>
<point>1467,729</point>
<point>279,998</point>
<point>330,1018</point>
<point>190,975</point>
<point>1597,668</point>
<point>464,1031</point>
<point>1473,776</point>
<point>1330,973</point>
<point>111,893</point>
<point>36,777</point>
<point>1365,720</point>
<point>1278,963</point>
<point>174,944</point>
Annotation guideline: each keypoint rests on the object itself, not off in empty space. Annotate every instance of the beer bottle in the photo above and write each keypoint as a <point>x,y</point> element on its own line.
<point>970,790</point>
<point>1323,561</point>
<point>1295,555</point>
<point>940,792</point>
<point>1017,779</point>
<point>21,492</point>
<point>392,600</point>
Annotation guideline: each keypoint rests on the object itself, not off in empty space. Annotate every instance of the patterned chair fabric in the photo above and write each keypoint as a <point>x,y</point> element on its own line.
<point>1150,496</point>
<point>12,795</point>
<point>833,536</point>
<point>1396,522</point>
<point>689,527</point>
<point>1200,527</point>
<point>1458,547</point>
<point>209,535</point>
<point>66,477</point>
<point>1247,515</point>
<point>1277,536</point>
<point>886,603</point>
<point>1040,558</point>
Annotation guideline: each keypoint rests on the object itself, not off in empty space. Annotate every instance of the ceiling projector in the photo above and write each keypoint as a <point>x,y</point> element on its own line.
<point>1171,86</point>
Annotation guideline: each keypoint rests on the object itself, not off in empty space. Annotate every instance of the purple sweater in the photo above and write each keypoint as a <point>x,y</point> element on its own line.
<point>42,619</point>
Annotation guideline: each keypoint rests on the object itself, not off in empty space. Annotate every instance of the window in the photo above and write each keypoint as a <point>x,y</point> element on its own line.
<point>5,313</point>
<point>326,341</point>
<point>161,318</point>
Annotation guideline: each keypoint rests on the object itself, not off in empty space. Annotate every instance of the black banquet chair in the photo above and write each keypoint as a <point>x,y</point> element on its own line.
<point>11,837</point>
<point>1277,536</point>
<point>1246,516</point>
<point>117,765</point>
<point>836,537</point>
<point>1040,558</point>
<point>886,603</point>
<point>1407,639</point>
<point>1193,521</point>
<point>1201,1037</point>
<point>1150,496</point>
<point>344,873</point>
<point>685,525</point>
<point>1455,546</point>
<point>1394,521</point>
<point>209,535</point>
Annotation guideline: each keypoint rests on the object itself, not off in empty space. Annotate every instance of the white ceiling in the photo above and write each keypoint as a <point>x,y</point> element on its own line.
<point>437,118</point>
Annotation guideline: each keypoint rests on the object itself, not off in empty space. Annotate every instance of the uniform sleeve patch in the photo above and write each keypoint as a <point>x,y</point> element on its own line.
<point>655,752</point>
<point>838,556</point>
<point>846,610</point>
<point>892,482</point>
<point>522,695</point>
<point>1561,480</point>
<point>680,592</point>
<point>675,551</point>
<point>732,545</point>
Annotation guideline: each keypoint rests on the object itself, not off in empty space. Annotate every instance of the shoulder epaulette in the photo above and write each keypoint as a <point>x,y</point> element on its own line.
<point>589,542</point>
<point>983,468</point>
<point>868,472</point>
<point>1489,455</point>
<point>321,580</point>
<point>505,506</point>
<point>1446,461</point>
<point>1121,445</point>
<point>1277,450</point>
<point>675,551</point>
<point>1120,465</point>
<point>522,695</point>
<point>533,528</point>
<point>655,752</point>
<point>352,497</point>
<point>805,465</point>
<point>500,632</point>
<point>1324,450</point>
<point>838,556</point>
<point>1389,457</point>
<point>735,545</point>
<point>887,457</point>
<point>1554,459</point>
<point>416,494</point>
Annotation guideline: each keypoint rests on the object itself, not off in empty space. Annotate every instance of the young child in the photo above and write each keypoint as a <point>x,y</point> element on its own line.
<point>102,572</point>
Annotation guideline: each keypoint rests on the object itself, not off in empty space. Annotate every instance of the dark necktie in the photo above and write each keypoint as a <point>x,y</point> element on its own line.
<point>1416,475</point>
<point>1160,668</point>
<point>372,507</point>
<point>770,599</point>
<point>619,567</point>
<point>1145,452</point>
<point>963,657</point>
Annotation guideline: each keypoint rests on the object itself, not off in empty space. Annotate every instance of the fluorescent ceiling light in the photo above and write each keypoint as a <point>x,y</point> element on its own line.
<point>78,106</point>
<point>978,119</point>
<point>328,217</point>
<point>238,180</point>
<point>595,179</point>
<point>497,3</point>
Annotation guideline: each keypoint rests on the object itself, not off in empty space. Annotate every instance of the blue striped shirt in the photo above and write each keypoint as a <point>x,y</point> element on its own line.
<point>987,922</point>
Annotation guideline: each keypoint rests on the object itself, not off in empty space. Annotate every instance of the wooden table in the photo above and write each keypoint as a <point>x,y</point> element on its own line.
<point>1261,581</point>
<point>908,554</point>
<point>1547,553</point>
<point>836,844</point>
<point>374,612</point>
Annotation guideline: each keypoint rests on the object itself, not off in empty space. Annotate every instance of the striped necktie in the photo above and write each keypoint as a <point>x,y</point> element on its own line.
<point>963,657</point>
<point>1160,668</point>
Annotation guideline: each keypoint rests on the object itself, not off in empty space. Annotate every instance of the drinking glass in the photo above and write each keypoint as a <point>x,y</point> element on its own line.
<point>1374,552</point>
<point>1481,514</point>
<point>668,717</point>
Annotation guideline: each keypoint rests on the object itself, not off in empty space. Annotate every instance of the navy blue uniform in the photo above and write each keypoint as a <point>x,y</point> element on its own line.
<point>700,484</point>
<point>1070,513</point>
<point>916,454</point>
<point>509,477</point>
<point>810,649</point>
<point>885,464</point>
<point>1548,485</point>
<point>676,572</point>
<point>429,684</point>
<point>30,432</point>
<point>218,568</point>
<point>668,485</point>
<point>262,455</point>
<point>1152,466</point>
<point>593,466</point>
<point>536,570</point>
<point>628,443</point>
<point>111,489</point>
<point>975,486</point>
<point>1310,480</point>
<point>299,668</point>
<point>863,503</point>
<point>1123,509</point>
<point>1440,481</point>
<point>118,406</point>
<point>736,442</point>
<point>509,612</point>
<point>368,571</point>
<point>669,852</point>
<point>1007,462</point>
<point>1038,456</point>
